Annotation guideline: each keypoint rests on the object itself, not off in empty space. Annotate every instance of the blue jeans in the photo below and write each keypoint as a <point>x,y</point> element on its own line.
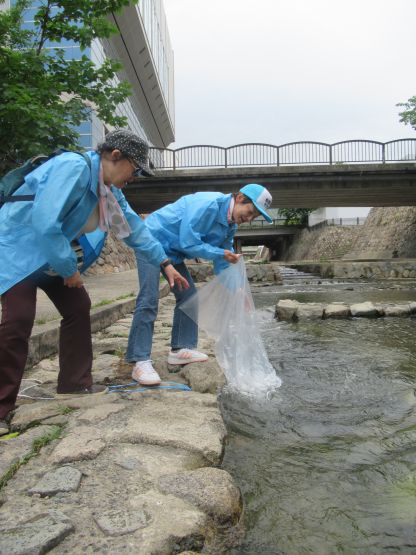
<point>184,330</point>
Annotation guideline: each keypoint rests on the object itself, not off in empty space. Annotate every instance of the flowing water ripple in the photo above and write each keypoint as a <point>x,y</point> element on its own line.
<point>328,465</point>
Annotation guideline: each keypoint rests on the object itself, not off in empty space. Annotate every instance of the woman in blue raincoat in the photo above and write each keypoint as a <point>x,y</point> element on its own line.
<point>201,225</point>
<point>72,197</point>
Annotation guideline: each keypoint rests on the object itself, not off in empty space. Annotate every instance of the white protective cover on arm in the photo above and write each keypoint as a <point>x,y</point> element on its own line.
<point>224,309</point>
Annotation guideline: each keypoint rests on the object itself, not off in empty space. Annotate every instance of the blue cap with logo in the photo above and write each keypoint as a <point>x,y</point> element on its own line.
<point>260,197</point>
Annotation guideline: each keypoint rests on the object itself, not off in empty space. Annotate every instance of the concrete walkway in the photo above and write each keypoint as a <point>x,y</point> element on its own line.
<point>101,288</point>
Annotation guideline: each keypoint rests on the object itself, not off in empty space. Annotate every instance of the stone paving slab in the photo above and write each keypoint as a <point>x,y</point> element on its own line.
<point>36,536</point>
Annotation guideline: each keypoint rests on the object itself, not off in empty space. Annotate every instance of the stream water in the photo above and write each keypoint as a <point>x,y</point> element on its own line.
<point>328,465</point>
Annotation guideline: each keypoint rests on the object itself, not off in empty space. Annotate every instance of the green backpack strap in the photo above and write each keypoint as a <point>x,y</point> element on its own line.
<point>15,178</point>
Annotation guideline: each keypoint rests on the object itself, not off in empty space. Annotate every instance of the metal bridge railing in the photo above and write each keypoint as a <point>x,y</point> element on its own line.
<point>260,223</point>
<point>339,221</point>
<point>297,153</point>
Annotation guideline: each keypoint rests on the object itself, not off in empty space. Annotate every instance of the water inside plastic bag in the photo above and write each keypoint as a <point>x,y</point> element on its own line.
<point>224,309</point>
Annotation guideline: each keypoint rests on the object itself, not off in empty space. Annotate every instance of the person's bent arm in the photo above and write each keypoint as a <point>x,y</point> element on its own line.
<point>143,242</point>
<point>140,239</point>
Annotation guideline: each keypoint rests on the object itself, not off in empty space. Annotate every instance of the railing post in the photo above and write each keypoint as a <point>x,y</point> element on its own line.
<point>278,156</point>
<point>225,159</point>
<point>174,160</point>
<point>330,155</point>
<point>383,153</point>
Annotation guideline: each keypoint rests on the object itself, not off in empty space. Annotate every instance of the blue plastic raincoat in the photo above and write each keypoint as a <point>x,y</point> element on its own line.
<point>195,226</point>
<point>37,234</point>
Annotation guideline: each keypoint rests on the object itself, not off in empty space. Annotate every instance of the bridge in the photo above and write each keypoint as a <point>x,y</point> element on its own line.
<point>276,235</point>
<point>259,229</point>
<point>301,174</point>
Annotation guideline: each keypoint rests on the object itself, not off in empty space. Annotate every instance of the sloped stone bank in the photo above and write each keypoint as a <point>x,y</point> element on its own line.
<point>322,243</point>
<point>388,232</point>
<point>291,310</point>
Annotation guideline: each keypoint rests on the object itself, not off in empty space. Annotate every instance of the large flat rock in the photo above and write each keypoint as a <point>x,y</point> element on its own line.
<point>189,421</point>
<point>210,489</point>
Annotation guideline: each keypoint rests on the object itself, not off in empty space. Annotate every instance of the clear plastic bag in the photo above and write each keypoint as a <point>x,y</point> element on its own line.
<point>224,309</point>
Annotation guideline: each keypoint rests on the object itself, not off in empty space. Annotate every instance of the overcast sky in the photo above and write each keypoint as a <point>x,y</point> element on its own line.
<point>277,71</point>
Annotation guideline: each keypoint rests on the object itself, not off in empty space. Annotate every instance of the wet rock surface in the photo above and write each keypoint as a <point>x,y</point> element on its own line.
<point>118,472</point>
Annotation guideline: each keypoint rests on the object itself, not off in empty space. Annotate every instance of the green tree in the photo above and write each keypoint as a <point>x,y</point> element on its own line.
<point>43,95</point>
<point>408,116</point>
<point>295,216</point>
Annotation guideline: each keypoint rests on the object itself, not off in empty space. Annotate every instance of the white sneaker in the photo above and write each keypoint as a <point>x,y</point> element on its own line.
<point>145,374</point>
<point>186,356</point>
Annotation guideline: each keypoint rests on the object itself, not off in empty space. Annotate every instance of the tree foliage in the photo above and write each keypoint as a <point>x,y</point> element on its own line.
<point>295,216</point>
<point>408,116</point>
<point>42,94</point>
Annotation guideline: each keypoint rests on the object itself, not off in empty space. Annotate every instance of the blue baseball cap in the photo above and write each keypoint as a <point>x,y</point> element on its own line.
<point>260,197</point>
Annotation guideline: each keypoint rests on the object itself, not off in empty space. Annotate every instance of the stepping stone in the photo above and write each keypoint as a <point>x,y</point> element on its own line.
<point>63,479</point>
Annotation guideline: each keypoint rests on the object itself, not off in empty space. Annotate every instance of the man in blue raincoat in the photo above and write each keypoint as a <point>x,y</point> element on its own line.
<point>201,225</point>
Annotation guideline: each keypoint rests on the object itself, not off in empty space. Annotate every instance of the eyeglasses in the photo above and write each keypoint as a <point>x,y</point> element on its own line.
<point>137,170</point>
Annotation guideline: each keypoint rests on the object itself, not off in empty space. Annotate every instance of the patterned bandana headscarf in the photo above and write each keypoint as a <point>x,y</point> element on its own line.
<point>111,215</point>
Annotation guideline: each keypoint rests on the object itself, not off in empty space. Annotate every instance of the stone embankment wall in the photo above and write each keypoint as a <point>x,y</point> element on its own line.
<point>387,233</point>
<point>380,269</point>
<point>366,269</point>
<point>323,243</point>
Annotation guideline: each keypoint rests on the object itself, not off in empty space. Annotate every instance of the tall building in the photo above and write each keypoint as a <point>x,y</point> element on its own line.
<point>143,46</point>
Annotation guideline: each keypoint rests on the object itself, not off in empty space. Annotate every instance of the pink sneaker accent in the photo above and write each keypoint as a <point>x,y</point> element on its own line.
<point>145,374</point>
<point>186,356</point>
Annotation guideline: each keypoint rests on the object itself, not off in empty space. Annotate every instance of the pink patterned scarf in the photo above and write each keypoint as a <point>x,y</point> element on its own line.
<point>111,215</point>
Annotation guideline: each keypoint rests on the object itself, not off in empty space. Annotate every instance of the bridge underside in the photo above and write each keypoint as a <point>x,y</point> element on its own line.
<point>278,243</point>
<point>291,187</point>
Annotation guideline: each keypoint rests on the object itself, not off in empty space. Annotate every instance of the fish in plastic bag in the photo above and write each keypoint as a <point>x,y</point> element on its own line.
<point>224,309</point>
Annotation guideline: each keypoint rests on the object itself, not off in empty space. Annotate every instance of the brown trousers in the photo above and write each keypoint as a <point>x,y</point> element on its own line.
<point>75,346</point>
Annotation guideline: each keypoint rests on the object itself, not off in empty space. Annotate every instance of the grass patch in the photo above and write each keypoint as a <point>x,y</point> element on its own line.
<point>102,303</point>
<point>65,410</point>
<point>126,296</point>
<point>105,302</point>
<point>37,445</point>
<point>119,353</point>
